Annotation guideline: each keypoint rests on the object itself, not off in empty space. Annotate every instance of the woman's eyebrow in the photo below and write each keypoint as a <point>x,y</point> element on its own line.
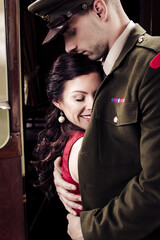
<point>78,91</point>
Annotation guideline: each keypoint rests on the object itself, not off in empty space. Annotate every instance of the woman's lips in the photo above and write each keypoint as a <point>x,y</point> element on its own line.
<point>87,117</point>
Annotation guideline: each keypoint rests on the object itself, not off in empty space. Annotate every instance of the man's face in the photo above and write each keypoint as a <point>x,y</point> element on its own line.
<point>83,35</point>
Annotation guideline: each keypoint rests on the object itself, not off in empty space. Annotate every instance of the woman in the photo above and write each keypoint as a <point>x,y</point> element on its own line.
<point>71,86</point>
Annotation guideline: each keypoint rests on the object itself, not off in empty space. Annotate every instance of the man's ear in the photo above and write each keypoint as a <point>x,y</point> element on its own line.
<point>57,104</point>
<point>100,7</point>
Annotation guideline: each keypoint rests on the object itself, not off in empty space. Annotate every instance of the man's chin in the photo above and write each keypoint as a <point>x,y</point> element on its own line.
<point>94,57</point>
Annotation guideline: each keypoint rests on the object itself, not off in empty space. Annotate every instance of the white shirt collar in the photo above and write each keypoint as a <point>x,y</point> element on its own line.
<point>117,48</point>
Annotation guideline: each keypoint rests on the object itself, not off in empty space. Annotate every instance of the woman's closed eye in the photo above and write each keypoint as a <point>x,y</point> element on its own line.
<point>80,99</point>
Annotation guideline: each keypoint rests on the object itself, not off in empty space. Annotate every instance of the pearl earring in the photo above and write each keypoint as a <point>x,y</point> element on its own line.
<point>61,118</point>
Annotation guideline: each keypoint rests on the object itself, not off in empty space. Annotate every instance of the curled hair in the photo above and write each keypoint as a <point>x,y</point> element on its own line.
<point>52,140</point>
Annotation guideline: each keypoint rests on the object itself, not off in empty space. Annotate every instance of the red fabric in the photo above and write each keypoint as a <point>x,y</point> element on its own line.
<point>155,63</point>
<point>65,159</point>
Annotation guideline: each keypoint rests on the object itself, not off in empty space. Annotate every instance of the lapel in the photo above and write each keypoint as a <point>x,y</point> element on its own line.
<point>130,43</point>
<point>132,40</point>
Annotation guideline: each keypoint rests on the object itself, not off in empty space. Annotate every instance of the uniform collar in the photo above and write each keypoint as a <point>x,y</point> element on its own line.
<point>117,48</point>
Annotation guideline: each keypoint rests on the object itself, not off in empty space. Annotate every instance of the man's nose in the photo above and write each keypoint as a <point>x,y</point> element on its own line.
<point>70,46</point>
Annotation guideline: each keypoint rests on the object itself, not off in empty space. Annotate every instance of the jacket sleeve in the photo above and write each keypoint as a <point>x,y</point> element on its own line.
<point>135,213</point>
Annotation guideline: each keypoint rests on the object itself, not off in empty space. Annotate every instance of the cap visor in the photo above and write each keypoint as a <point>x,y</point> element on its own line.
<point>54,32</point>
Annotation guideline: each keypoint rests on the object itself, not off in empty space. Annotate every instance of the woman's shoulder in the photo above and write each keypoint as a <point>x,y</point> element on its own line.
<point>74,137</point>
<point>73,157</point>
<point>73,143</point>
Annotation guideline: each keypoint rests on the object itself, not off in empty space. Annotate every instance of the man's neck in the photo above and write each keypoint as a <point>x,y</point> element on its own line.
<point>116,49</point>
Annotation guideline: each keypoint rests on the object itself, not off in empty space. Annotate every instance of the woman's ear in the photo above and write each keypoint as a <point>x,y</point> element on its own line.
<point>100,7</point>
<point>57,104</point>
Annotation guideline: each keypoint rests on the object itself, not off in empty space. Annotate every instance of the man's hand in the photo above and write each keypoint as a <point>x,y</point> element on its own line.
<point>74,227</point>
<point>68,199</point>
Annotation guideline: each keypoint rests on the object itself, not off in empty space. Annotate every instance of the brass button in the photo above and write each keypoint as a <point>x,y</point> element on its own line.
<point>115,120</point>
<point>141,39</point>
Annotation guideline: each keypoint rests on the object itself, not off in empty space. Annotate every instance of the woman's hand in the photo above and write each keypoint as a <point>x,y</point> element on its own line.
<point>68,199</point>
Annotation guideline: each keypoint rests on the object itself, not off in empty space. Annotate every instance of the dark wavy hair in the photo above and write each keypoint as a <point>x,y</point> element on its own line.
<point>52,139</point>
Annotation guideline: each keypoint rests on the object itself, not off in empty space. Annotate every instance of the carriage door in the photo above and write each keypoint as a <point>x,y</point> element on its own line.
<point>11,147</point>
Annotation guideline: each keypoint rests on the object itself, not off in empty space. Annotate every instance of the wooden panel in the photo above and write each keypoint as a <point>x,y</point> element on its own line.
<point>13,50</point>
<point>150,17</point>
<point>12,224</point>
<point>13,147</point>
<point>11,200</point>
<point>145,15</point>
<point>156,17</point>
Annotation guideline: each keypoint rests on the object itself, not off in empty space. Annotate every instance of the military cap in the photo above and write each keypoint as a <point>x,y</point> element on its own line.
<point>57,13</point>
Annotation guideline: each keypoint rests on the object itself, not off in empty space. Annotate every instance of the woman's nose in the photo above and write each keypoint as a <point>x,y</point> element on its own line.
<point>89,104</point>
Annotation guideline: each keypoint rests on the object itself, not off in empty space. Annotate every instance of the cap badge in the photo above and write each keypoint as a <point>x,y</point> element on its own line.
<point>84,6</point>
<point>44,17</point>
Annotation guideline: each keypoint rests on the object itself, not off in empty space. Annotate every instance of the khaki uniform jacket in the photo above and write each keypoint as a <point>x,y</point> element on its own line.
<point>119,163</point>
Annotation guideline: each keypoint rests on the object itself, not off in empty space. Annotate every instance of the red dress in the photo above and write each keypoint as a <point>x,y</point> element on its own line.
<point>65,162</point>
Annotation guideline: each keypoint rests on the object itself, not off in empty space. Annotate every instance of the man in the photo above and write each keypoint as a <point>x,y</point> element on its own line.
<point>119,163</point>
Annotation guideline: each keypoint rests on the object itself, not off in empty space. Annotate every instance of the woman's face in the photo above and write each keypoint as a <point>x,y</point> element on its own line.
<point>77,98</point>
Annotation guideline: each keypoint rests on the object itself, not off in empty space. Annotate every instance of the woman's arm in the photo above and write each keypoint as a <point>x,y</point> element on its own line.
<point>62,187</point>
